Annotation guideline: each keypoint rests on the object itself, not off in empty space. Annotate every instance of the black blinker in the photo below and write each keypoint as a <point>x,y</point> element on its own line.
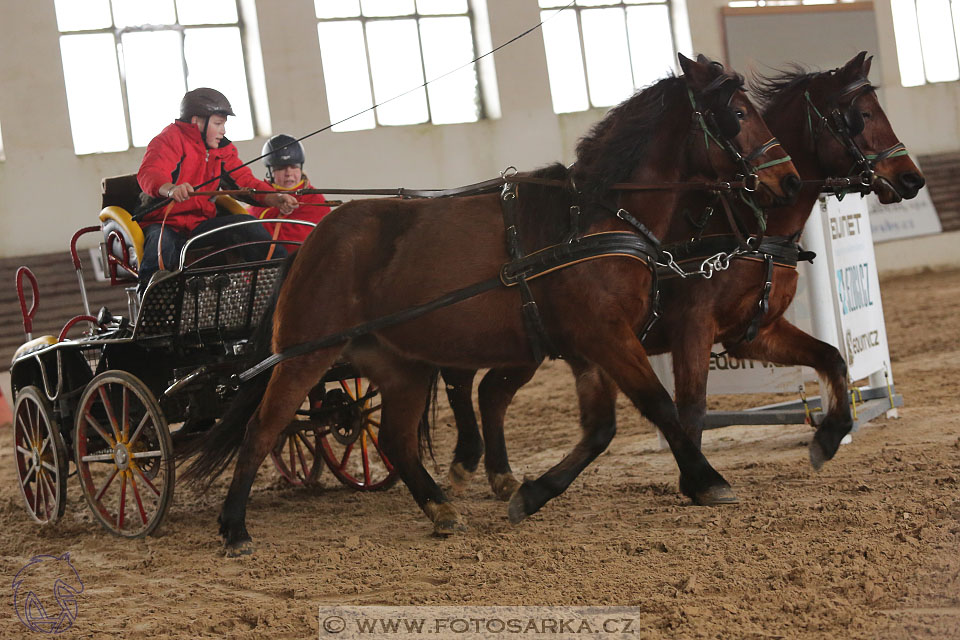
<point>728,124</point>
<point>854,120</point>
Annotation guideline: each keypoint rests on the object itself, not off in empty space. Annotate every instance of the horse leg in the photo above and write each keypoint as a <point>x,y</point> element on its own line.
<point>404,389</point>
<point>289,384</point>
<point>783,343</point>
<point>495,394</point>
<point>624,359</point>
<point>597,394</point>
<point>466,455</point>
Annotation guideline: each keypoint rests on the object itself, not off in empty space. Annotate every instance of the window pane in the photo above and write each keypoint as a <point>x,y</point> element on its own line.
<point>215,59</point>
<point>651,47</point>
<point>550,4</point>
<point>207,11</point>
<point>154,73</point>
<point>78,15</point>
<point>596,3</point>
<point>936,36</point>
<point>396,68</point>
<point>386,7</point>
<point>93,93</point>
<point>132,13</point>
<point>345,74</point>
<point>2,157</point>
<point>447,44</point>
<point>427,7</point>
<point>337,8</point>
<point>607,55</point>
<point>568,85</point>
<point>907,34</point>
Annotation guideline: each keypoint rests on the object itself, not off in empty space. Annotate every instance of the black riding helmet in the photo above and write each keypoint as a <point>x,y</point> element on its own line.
<point>280,151</point>
<point>204,102</point>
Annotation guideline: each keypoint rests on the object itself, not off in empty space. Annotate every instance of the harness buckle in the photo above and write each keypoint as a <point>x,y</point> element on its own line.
<point>509,172</point>
<point>751,182</point>
<point>867,177</point>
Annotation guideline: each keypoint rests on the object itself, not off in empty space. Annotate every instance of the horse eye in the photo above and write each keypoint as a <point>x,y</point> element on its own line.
<point>865,114</point>
<point>740,113</point>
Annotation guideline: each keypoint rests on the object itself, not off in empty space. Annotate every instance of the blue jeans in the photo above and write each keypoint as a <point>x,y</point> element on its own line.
<point>173,242</point>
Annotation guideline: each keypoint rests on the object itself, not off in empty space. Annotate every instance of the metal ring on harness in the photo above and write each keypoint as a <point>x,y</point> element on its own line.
<point>509,172</point>
<point>751,182</point>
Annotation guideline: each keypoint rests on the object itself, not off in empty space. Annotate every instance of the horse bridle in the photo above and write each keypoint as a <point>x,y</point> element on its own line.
<point>845,127</point>
<point>722,128</point>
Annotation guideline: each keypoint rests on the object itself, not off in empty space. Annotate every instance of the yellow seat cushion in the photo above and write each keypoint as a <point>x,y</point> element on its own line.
<point>33,345</point>
<point>117,219</point>
<point>230,205</point>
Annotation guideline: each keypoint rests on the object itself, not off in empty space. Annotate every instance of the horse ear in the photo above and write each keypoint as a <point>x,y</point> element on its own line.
<point>696,74</point>
<point>855,67</point>
<point>866,66</point>
<point>702,59</point>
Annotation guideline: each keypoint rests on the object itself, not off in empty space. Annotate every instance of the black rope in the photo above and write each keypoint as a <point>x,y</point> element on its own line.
<point>140,214</point>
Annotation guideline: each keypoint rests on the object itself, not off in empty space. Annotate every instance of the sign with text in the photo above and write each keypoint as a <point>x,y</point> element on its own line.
<point>904,219</point>
<point>856,286</point>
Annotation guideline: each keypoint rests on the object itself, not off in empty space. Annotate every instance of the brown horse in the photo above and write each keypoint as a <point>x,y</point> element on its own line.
<point>372,258</point>
<point>832,124</point>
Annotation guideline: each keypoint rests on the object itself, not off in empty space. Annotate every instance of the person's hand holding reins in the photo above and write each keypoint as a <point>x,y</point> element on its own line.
<point>283,202</point>
<point>177,193</point>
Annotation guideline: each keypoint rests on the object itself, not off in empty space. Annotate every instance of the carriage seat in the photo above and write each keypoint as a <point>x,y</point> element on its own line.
<point>33,345</point>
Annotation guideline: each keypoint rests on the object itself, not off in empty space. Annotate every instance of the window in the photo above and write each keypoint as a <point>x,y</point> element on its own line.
<point>127,64</point>
<point>781,3</point>
<point>926,34</point>
<point>600,51</point>
<point>375,50</point>
<point>2,156</point>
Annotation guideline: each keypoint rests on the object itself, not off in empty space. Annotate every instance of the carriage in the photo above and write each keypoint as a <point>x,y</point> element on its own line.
<point>118,402</point>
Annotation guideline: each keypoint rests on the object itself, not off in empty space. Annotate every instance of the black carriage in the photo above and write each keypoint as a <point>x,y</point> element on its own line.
<point>117,402</point>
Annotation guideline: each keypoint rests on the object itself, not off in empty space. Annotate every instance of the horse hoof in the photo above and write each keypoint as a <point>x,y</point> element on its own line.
<point>459,477</point>
<point>721,494</point>
<point>446,520</point>
<point>239,549</point>
<point>504,485</point>
<point>516,511</point>
<point>817,455</point>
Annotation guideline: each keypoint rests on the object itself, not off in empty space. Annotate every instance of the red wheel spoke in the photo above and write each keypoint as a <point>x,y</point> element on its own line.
<point>376,445</point>
<point>366,459</point>
<point>375,423</point>
<point>33,469</point>
<point>96,427</point>
<point>35,424</point>
<point>293,460</point>
<point>346,456</point>
<point>123,500</point>
<point>50,492</point>
<point>366,412</point>
<point>36,497</point>
<point>102,391</point>
<point>125,417</point>
<point>306,442</point>
<point>303,461</point>
<point>106,485</point>
<point>136,432</point>
<point>136,495</point>
<point>46,443</point>
<point>346,388</point>
<point>147,480</point>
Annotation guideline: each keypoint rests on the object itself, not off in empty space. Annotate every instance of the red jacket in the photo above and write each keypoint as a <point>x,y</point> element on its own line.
<point>308,210</point>
<point>178,154</point>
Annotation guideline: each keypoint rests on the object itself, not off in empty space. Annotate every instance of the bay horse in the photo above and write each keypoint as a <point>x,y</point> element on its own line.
<point>372,258</point>
<point>833,126</point>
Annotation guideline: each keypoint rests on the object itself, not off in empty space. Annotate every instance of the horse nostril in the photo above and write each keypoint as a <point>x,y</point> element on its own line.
<point>912,181</point>
<point>791,184</point>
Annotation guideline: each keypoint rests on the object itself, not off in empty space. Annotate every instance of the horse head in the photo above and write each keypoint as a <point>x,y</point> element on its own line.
<point>845,131</point>
<point>732,138</point>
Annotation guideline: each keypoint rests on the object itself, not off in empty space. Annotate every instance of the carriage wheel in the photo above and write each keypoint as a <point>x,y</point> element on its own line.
<point>40,455</point>
<point>124,454</point>
<point>352,450</point>
<point>297,459</point>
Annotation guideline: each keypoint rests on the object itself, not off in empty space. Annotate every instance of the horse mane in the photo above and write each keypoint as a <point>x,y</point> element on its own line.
<point>614,146</point>
<point>772,90</point>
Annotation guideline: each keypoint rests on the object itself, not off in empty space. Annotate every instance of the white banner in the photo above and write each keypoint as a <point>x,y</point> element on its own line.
<point>904,219</point>
<point>856,286</point>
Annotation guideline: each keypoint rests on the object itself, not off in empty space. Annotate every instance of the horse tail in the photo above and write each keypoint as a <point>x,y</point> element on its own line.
<point>429,417</point>
<point>217,448</point>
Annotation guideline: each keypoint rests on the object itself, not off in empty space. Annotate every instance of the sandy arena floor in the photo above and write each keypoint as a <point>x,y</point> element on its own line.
<point>868,548</point>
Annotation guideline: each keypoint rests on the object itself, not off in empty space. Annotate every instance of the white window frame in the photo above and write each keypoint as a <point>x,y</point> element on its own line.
<point>910,44</point>
<point>481,110</point>
<point>118,32</point>
<point>547,12</point>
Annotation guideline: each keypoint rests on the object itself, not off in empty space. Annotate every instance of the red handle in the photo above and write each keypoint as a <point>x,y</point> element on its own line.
<point>73,244</point>
<point>24,272</point>
<point>71,322</point>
